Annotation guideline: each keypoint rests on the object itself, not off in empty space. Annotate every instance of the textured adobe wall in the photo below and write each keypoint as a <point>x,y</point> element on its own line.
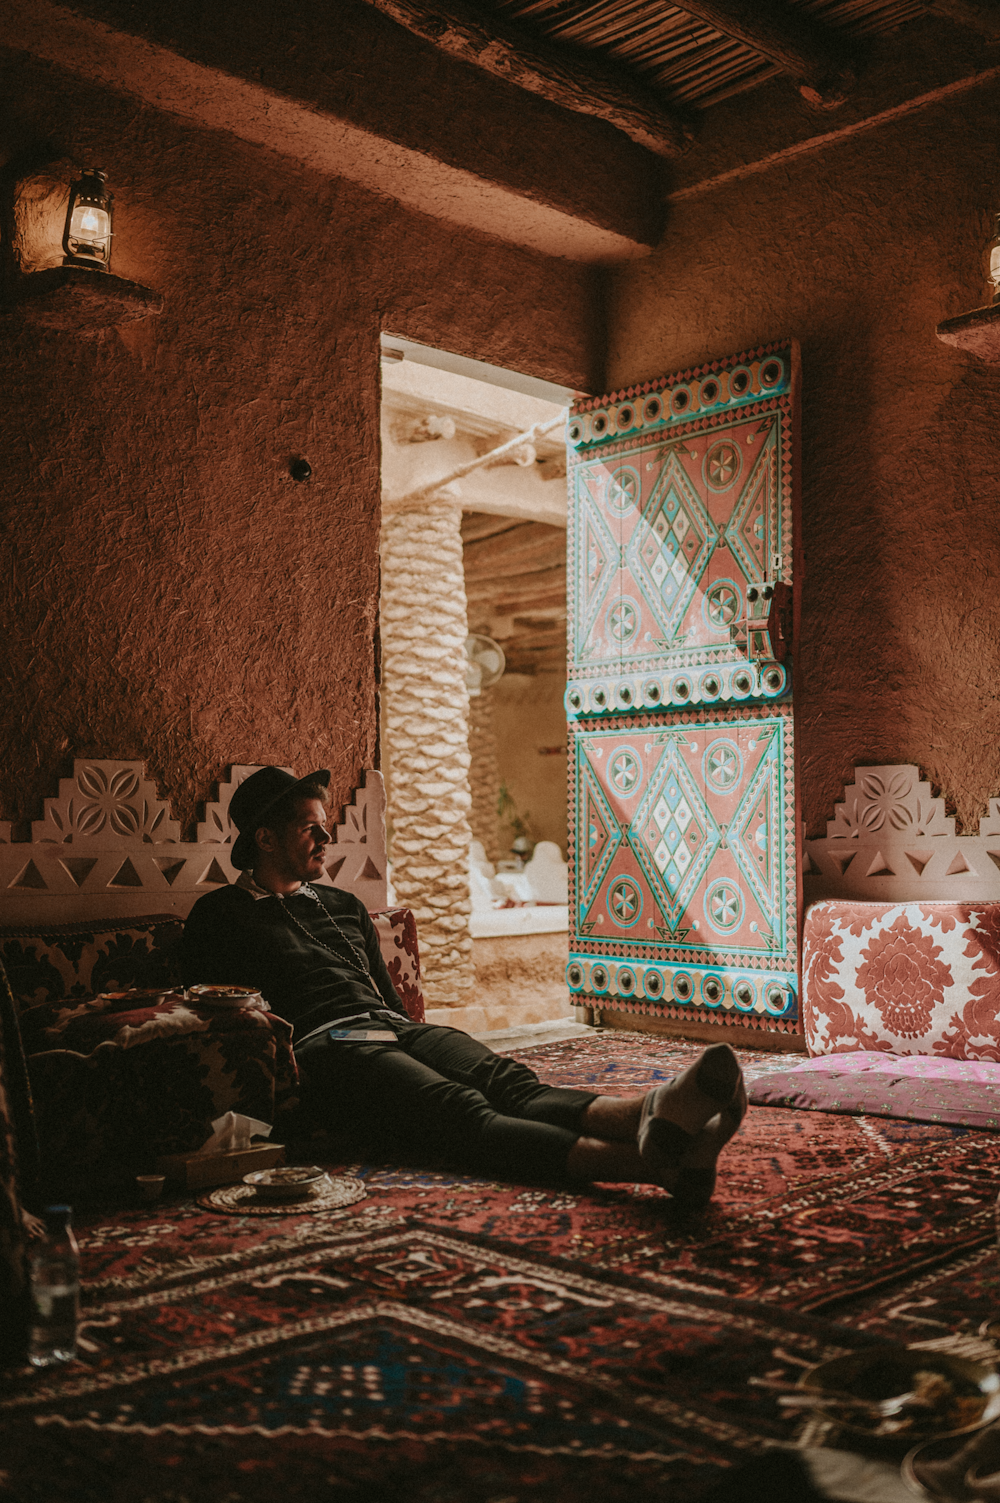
<point>166,590</point>
<point>859,252</point>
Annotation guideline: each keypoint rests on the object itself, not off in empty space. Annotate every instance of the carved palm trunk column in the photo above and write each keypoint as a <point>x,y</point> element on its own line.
<point>484,775</point>
<point>424,628</point>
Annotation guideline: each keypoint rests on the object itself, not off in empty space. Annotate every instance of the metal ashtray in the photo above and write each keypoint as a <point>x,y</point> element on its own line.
<point>292,1182</point>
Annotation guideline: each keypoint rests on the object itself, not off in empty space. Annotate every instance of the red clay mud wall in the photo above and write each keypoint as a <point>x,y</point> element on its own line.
<point>858,251</point>
<point>167,591</point>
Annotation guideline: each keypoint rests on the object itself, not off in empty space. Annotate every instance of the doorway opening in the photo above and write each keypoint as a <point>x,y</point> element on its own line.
<point>474,557</point>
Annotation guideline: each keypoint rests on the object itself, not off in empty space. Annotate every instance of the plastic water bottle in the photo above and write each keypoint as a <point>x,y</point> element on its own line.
<point>55,1291</point>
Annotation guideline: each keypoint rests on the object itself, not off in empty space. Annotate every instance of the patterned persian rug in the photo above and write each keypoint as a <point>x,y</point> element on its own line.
<point>449,1338</point>
<point>811,1207</point>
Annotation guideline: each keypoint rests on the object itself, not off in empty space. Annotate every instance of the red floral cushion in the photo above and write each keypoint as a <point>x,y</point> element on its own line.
<point>51,963</point>
<point>902,978</point>
<point>397,934</point>
<point>129,1022</point>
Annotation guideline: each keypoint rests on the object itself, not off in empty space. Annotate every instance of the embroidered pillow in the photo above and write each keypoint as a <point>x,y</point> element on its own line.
<point>397,933</point>
<point>67,962</point>
<point>902,978</point>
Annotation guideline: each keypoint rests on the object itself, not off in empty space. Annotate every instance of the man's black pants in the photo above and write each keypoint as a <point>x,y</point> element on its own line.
<point>438,1095</point>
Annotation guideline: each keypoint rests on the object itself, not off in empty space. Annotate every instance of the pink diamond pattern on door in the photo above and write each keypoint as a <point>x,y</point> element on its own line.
<point>669,527</point>
<point>754,833</point>
<point>752,531</point>
<point>691,818</point>
<point>597,565</point>
<point>670,546</point>
<point>674,834</point>
<point>599,835</point>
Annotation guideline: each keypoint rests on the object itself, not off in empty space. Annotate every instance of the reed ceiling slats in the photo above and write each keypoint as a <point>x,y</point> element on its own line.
<point>691,62</point>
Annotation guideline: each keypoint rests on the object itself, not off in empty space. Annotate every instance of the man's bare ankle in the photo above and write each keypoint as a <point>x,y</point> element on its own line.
<point>613,1117</point>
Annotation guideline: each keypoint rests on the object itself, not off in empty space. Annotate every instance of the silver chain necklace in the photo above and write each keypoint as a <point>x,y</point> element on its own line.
<point>305,889</point>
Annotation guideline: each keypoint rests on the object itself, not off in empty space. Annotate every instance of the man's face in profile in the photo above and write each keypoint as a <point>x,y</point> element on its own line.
<point>298,852</point>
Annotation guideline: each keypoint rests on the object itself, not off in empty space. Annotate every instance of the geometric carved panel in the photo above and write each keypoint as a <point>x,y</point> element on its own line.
<point>357,857</point>
<point>891,840</point>
<point>107,846</point>
<point>107,801</point>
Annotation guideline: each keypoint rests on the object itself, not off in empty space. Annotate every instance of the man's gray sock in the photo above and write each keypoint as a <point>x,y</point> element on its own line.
<point>696,1173</point>
<point>675,1112</point>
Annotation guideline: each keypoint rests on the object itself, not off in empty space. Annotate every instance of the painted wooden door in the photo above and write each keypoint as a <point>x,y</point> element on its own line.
<point>682,550</point>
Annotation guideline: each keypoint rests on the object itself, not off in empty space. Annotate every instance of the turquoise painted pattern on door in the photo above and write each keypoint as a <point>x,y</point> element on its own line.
<point>679,694</point>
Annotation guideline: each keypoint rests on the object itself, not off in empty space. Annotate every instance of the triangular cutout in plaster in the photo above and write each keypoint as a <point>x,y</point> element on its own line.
<point>333,870</point>
<point>216,874</point>
<point>994,857</point>
<point>918,860</point>
<point>126,876</point>
<point>370,872</point>
<point>879,867</point>
<point>170,867</point>
<point>29,876</point>
<point>78,867</point>
<point>959,865</point>
<point>843,861</point>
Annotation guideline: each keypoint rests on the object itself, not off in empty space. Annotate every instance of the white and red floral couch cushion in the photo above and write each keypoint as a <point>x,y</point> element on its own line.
<point>902,978</point>
<point>397,936</point>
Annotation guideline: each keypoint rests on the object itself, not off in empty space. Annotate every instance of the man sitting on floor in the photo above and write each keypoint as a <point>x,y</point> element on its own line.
<point>417,1090</point>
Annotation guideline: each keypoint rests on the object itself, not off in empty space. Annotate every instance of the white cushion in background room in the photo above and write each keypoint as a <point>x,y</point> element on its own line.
<point>547,874</point>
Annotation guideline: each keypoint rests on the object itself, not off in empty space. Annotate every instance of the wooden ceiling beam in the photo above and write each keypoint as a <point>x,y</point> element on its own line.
<point>574,80</point>
<point>510,567</point>
<point>515,605</point>
<point>535,641</point>
<point>527,549</point>
<point>511,597</point>
<point>978,15</point>
<point>517,586</point>
<point>536,660</point>
<point>810,53</point>
<point>477,525</point>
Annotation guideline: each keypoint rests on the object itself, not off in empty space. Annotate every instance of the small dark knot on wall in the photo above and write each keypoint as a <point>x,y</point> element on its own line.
<point>300,469</point>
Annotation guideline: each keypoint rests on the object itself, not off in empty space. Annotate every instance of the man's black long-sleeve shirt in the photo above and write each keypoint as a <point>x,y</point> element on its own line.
<point>232,938</point>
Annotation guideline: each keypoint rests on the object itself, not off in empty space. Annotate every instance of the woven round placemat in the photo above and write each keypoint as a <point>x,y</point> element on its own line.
<point>241,1200</point>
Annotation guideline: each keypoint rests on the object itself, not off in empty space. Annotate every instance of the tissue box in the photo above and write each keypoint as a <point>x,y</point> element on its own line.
<point>196,1170</point>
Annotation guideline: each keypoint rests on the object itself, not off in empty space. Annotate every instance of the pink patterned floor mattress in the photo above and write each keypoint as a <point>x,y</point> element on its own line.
<point>964,1093</point>
<point>901,1011</point>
